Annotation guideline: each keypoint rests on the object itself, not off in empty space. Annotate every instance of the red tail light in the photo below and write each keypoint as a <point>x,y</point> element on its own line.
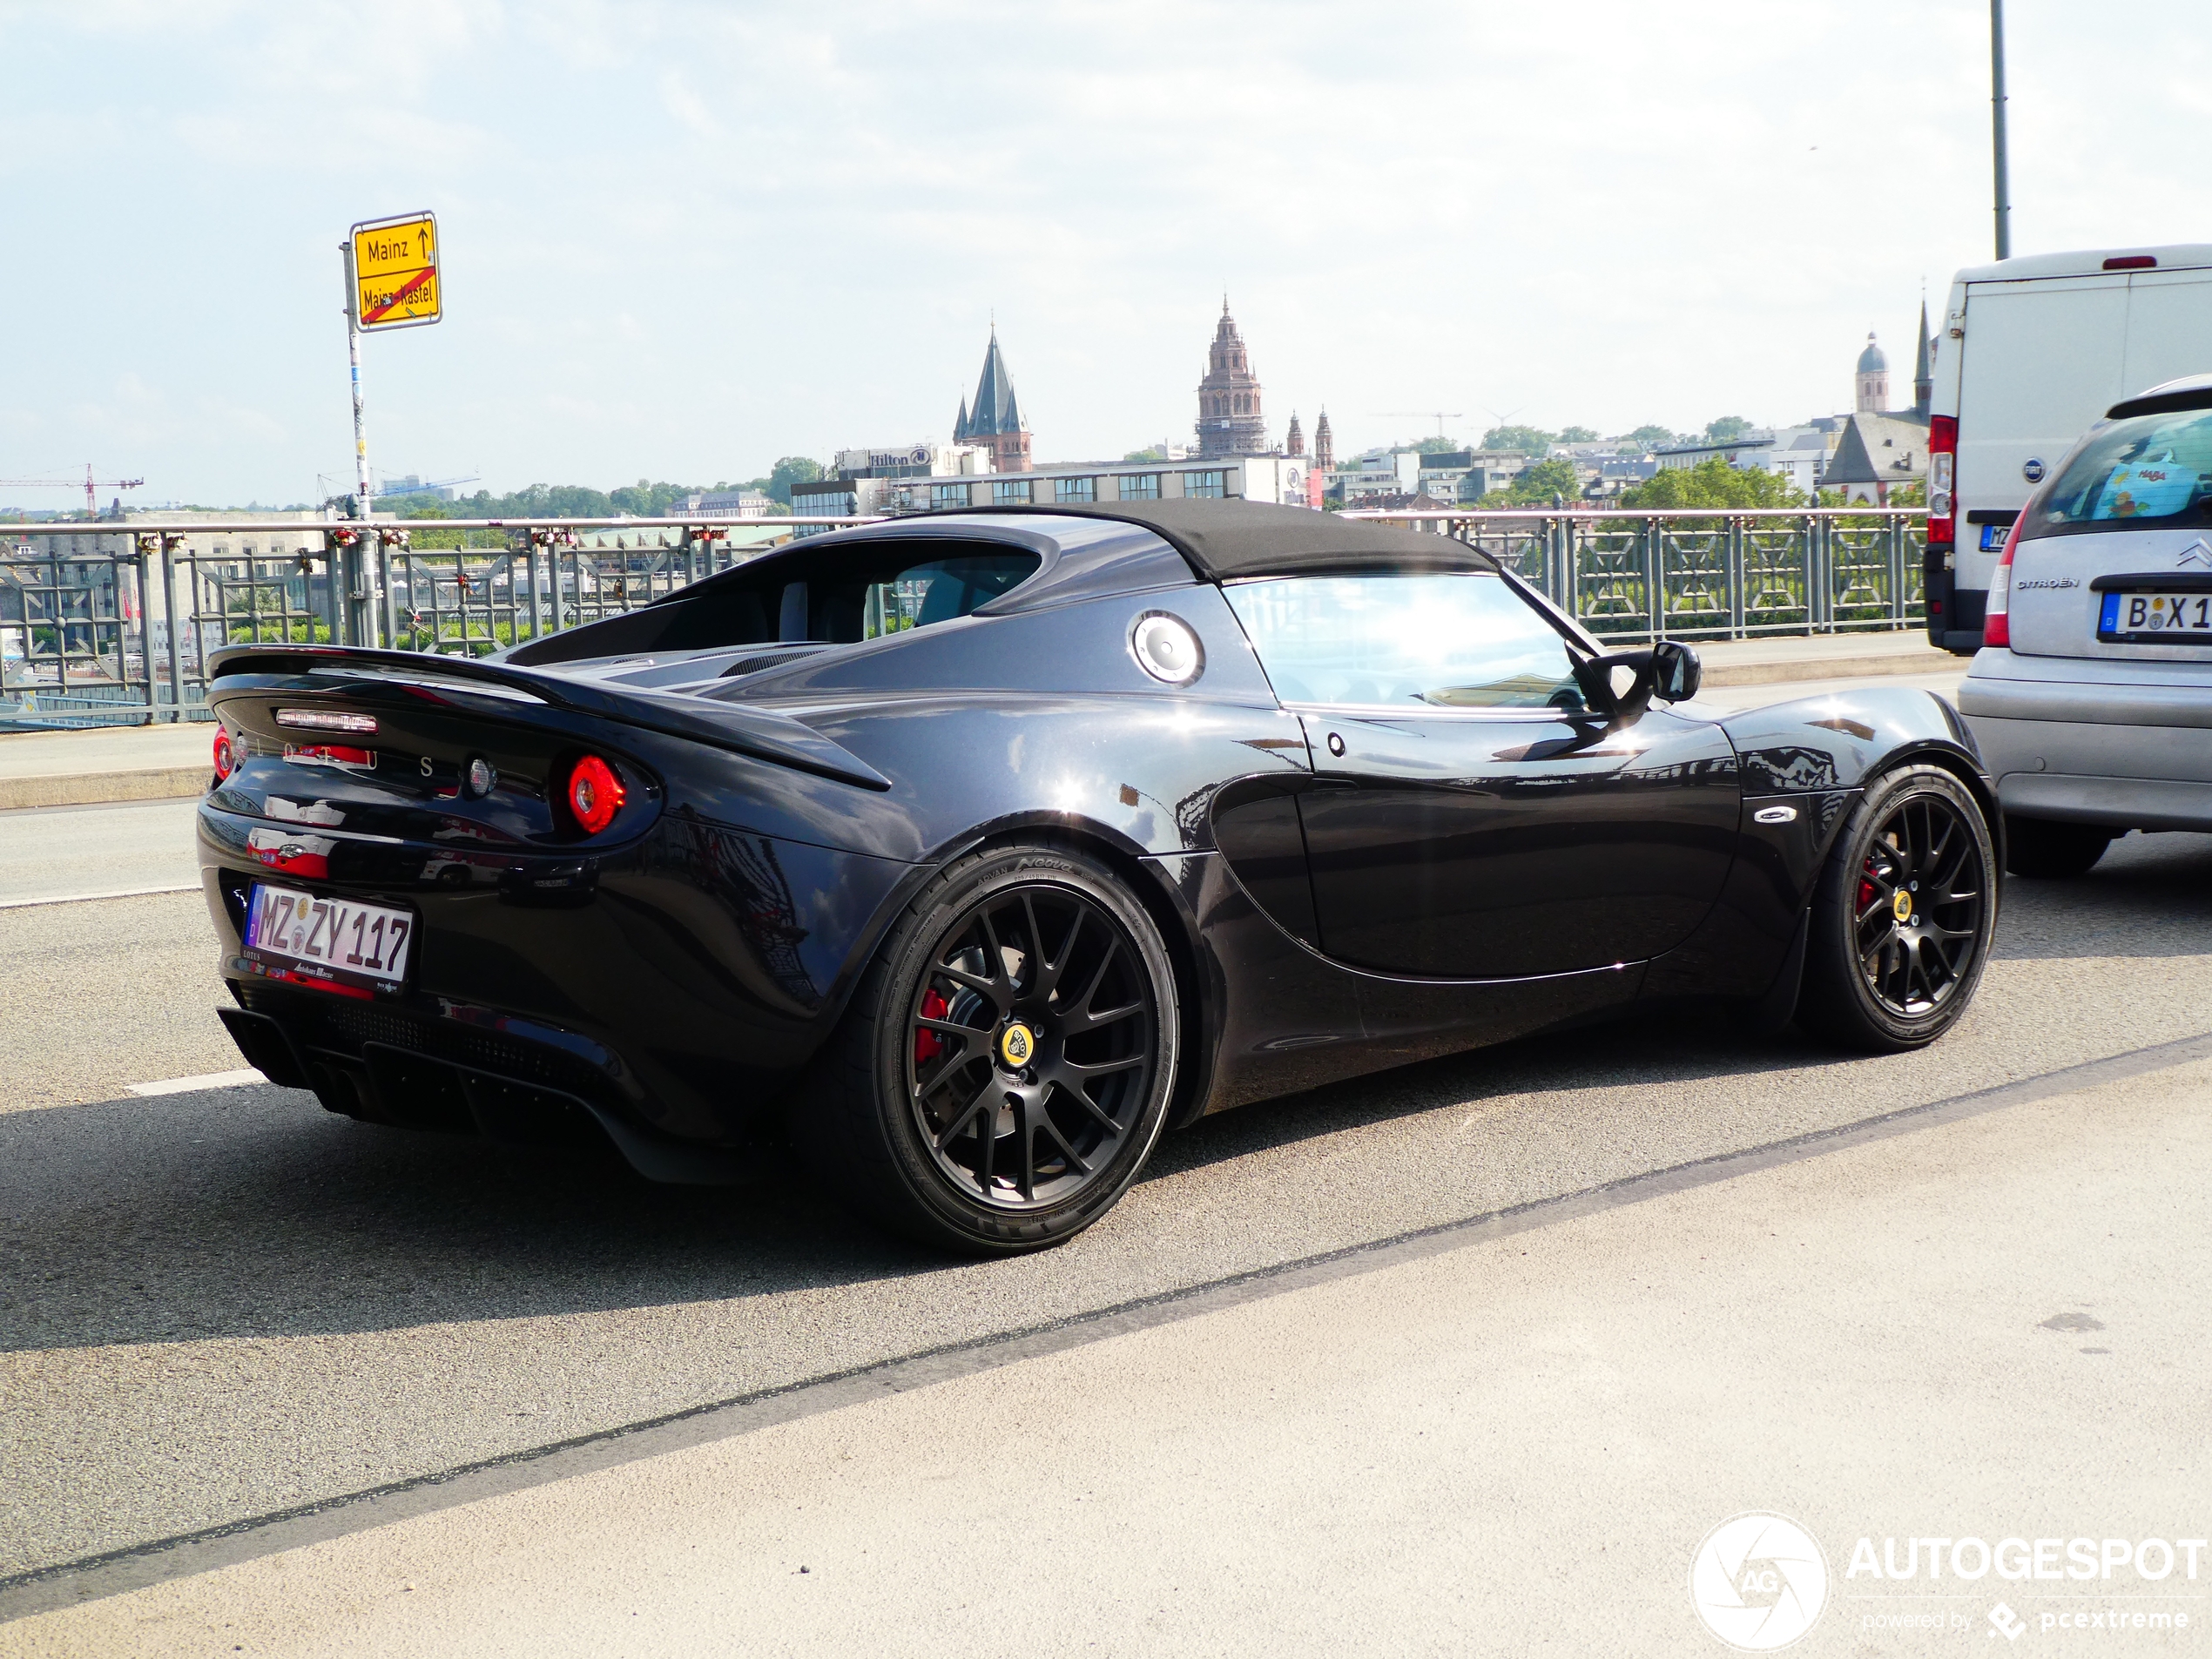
<point>225,762</point>
<point>595,793</point>
<point>1943,463</point>
<point>1996,621</point>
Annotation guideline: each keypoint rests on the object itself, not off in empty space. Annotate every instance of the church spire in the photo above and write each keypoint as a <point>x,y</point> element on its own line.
<point>995,420</point>
<point>1923,374</point>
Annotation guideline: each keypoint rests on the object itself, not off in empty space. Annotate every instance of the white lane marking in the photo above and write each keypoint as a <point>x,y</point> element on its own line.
<point>211,1080</point>
<point>88,898</point>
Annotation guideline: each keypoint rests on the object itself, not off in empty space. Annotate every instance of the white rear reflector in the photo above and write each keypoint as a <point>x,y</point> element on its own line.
<point>326,719</point>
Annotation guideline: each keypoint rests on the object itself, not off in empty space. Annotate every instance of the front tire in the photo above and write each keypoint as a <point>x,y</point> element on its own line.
<point>1007,1059</point>
<point>1903,916</point>
<point>2043,850</point>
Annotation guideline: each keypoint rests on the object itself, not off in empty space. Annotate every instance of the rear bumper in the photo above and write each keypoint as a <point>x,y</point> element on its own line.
<point>2132,756</point>
<point>661,995</point>
<point>465,1071</point>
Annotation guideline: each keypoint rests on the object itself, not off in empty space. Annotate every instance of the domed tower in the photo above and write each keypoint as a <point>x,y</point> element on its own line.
<point>1295,444</point>
<point>1873,379</point>
<point>1230,422</point>
<point>1325,445</point>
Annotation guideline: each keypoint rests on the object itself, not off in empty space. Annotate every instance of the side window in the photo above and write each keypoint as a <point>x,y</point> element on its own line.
<point>1451,641</point>
<point>937,592</point>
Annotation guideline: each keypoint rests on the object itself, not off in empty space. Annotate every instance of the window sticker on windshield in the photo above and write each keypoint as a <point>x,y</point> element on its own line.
<point>2146,490</point>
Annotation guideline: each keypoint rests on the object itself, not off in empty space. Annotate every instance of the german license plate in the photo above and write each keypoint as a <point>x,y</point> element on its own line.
<point>2156,618</point>
<point>328,940</point>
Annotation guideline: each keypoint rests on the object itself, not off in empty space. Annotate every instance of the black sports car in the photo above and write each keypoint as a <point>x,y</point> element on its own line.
<point>984,847</point>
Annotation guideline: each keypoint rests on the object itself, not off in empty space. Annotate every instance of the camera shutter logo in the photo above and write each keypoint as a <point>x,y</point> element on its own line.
<point>1759,1582</point>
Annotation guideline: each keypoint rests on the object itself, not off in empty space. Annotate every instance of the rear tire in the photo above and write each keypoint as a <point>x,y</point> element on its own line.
<point>2043,850</point>
<point>1903,916</point>
<point>1007,1061</point>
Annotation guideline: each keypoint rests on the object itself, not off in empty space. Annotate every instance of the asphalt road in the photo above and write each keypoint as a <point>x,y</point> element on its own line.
<point>1985,1327</point>
<point>225,1305</point>
<point>228,1303</point>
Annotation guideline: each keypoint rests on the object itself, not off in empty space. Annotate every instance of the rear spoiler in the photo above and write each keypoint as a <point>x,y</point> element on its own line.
<point>761,734</point>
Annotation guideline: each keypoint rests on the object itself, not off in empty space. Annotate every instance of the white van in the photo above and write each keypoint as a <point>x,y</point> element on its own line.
<point>2030,353</point>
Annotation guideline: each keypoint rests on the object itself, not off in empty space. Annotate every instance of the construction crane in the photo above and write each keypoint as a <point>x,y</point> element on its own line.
<point>90,483</point>
<point>1439,415</point>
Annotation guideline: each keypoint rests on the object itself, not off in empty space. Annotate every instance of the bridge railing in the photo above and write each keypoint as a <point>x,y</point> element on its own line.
<point>111,623</point>
<point>1643,575</point>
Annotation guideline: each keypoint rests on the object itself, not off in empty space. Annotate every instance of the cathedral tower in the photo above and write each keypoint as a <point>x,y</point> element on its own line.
<point>995,419</point>
<point>1294,444</point>
<point>1325,445</point>
<point>1230,422</point>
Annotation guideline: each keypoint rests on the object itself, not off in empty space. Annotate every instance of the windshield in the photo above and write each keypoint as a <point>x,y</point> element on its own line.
<point>2151,471</point>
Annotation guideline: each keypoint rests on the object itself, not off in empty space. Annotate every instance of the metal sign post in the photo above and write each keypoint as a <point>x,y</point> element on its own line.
<point>363,582</point>
<point>1997,128</point>
<point>392,281</point>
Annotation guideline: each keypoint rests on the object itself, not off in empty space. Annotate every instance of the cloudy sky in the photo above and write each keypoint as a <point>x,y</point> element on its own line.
<point>682,239</point>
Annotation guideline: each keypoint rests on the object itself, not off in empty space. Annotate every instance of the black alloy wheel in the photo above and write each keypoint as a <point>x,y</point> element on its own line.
<point>1903,917</point>
<point>1007,1061</point>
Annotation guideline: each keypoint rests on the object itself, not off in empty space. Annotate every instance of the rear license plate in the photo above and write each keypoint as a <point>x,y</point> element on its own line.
<point>2156,618</point>
<point>1992,537</point>
<point>328,940</point>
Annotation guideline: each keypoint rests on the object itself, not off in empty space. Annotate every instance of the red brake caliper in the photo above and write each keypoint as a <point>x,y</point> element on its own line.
<point>1866,888</point>
<point>927,1044</point>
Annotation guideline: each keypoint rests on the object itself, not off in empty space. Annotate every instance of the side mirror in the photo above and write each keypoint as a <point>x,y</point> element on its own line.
<point>1668,670</point>
<point>1675,671</point>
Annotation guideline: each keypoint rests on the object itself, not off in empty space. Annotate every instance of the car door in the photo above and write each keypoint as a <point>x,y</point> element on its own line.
<point>1470,818</point>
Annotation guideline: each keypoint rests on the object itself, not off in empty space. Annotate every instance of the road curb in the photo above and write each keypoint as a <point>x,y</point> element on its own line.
<point>90,788</point>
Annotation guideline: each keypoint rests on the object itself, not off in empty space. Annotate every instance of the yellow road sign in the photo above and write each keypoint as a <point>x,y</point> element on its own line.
<point>395,271</point>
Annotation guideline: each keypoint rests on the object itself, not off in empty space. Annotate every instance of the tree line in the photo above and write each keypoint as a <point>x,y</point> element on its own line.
<point>644,499</point>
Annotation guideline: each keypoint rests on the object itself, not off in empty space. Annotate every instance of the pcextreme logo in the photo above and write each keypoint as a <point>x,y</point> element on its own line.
<point>1758,1581</point>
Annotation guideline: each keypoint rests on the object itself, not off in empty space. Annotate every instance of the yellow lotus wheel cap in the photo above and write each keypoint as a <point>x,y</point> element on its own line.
<point>1017,1045</point>
<point>1901,905</point>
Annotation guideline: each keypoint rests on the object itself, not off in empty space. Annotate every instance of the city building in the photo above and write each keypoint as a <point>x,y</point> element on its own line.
<point>1752,443</point>
<point>1455,477</point>
<point>1875,454</point>
<point>994,422</point>
<point>1280,479</point>
<point>1801,453</point>
<point>746,502</point>
<point>412,484</point>
<point>1376,474</point>
<point>862,480</point>
<point>1230,422</point>
<point>1877,449</point>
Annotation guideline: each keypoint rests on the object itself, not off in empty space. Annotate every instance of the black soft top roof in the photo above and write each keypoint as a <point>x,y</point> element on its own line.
<point>1225,540</point>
